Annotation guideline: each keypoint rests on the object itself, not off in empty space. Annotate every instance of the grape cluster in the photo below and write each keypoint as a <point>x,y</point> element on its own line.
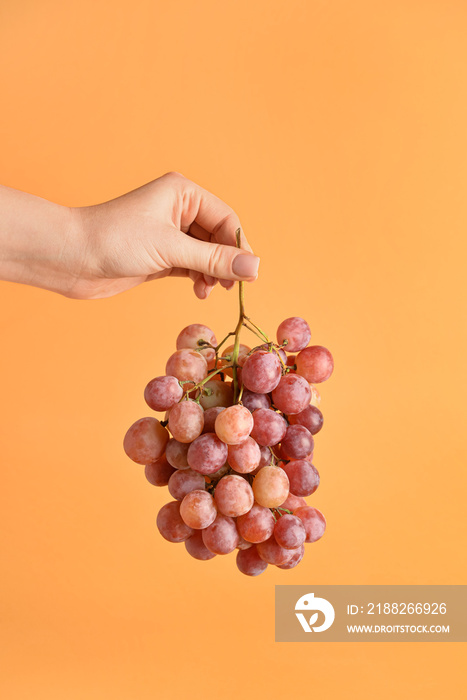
<point>237,454</point>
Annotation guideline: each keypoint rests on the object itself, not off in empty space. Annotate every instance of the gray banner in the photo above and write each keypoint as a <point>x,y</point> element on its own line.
<point>371,613</point>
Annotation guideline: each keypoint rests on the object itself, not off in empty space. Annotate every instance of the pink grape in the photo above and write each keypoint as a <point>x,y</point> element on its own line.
<point>266,457</point>
<point>221,394</point>
<point>234,424</point>
<point>198,509</point>
<point>257,525</point>
<point>145,440</point>
<point>289,531</point>
<point>210,418</point>
<point>162,393</point>
<point>189,337</point>
<point>245,457</point>
<point>271,487</point>
<point>314,522</point>
<point>186,421</point>
<point>296,558</point>
<point>297,333</point>
<point>170,523</point>
<point>176,453</point>
<point>261,372</point>
<point>188,366</point>
<point>311,418</point>
<point>292,394</point>
<point>250,563</point>
<point>269,427</point>
<point>303,477</point>
<point>252,401</point>
<point>243,351</point>
<point>298,442</point>
<point>292,502</point>
<point>196,547</point>
<point>207,454</point>
<point>221,536</point>
<point>315,364</point>
<point>182,482</point>
<point>243,544</point>
<point>159,472</point>
<point>271,552</point>
<point>233,495</point>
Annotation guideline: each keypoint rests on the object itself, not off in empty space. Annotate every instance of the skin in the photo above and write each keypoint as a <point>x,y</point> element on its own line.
<point>168,227</point>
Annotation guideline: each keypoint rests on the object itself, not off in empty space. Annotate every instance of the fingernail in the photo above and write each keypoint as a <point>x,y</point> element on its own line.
<point>245,265</point>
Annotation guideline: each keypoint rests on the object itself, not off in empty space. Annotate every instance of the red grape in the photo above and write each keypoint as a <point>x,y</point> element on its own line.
<point>252,401</point>
<point>261,372</point>
<point>207,454</point>
<point>233,495</point>
<point>159,472</point>
<point>176,453</point>
<point>162,393</point>
<point>145,440</point>
<point>315,364</point>
<point>170,523</point>
<point>186,420</point>
<point>245,457</point>
<point>210,418</point>
<point>289,531</point>
<point>182,482</point>
<point>226,358</point>
<point>196,547</point>
<point>250,563</point>
<point>292,394</point>
<point>271,487</point>
<point>269,427</point>
<point>314,522</point>
<point>257,525</point>
<point>292,502</point>
<point>188,366</point>
<point>234,424</point>
<point>311,418</point>
<point>198,509</point>
<point>221,536</point>
<point>303,477</point>
<point>271,552</point>
<point>221,394</point>
<point>298,442</point>
<point>296,558</point>
<point>190,336</point>
<point>297,333</point>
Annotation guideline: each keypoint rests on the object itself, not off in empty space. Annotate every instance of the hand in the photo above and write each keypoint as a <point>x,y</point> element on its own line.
<point>170,226</point>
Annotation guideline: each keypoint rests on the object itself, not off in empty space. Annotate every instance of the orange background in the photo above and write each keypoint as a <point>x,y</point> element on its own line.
<point>337,131</point>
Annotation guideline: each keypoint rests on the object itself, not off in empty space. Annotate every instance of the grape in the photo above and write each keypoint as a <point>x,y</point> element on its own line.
<point>295,559</point>
<point>188,366</point>
<point>291,362</point>
<point>266,457</point>
<point>210,418</point>
<point>189,337</point>
<point>225,469</point>
<point>297,333</point>
<point>278,351</point>
<point>226,358</point>
<point>243,544</point>
<point>271,487</point>
<point>182,482</point>
<point>159,472</point>
<point>292,394</point>
<point>315,364</point>
<point>303,477</point>
<point>233,495</point>
<point>252,401</point>
<point>315,396</point>
<point>234,424</point>
<point>298,442</point>
<point>250,563</point>
<point>292,502</point>
<point>198,509</point>
<point>257,525</point>
<point>221,536</point>
<point>244,457</point>
<point>261,372</point>
<point>186,420</point>
<point>196,547</point>
<point>145,440</point>
<point>314,522</point>
<point>176,453</point>
<point>269,427</point>
<point>289,531</point>
<point>273,553</point>
<point>170,524</point>
<point>221,394</point>
<point>162,393</point>
<point>207,454</point>
<point>311,418</point>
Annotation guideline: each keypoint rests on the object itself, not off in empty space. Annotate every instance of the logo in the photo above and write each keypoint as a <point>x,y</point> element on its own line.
<point>309,603</point>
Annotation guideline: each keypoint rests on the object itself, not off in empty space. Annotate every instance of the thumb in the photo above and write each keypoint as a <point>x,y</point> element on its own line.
<point>213,259</point>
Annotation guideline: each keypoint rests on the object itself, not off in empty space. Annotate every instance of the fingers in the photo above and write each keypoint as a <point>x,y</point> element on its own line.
<point>212,259</point>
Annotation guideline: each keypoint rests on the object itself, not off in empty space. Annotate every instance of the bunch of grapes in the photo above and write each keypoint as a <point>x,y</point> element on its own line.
<point>238,453</point>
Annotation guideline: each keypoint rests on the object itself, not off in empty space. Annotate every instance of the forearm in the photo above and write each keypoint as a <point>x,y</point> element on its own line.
<point>40,242</point>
